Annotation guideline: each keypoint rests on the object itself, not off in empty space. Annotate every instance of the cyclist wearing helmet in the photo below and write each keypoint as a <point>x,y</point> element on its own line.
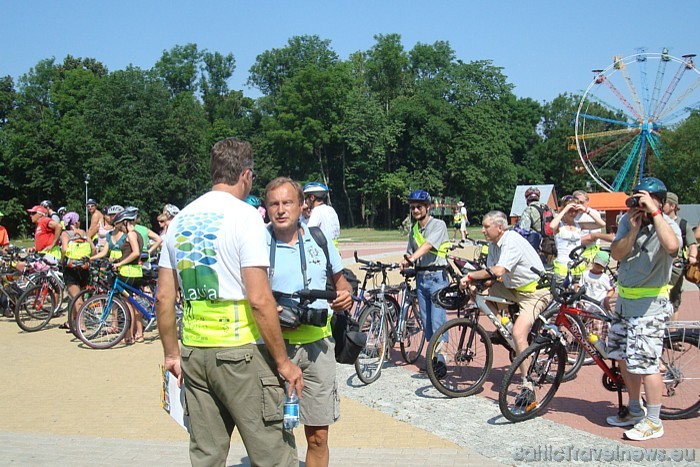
<point>47,233</point>
<point>49,207</point>
<point>322,215</point>
<point>151,240</point>
<point>427,248</point>
<point>169,212</point>
<point>646,243</point>
<point>129,266</point>
<point>530,219</point>
<point>4,238</point>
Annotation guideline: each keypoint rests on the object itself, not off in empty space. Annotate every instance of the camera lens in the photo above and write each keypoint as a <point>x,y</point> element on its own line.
<point>632,202</point>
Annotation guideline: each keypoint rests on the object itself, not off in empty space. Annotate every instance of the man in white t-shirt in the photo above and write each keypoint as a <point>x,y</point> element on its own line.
<point>322,215</point>
<point>463,220</point>
<point>233,359</point>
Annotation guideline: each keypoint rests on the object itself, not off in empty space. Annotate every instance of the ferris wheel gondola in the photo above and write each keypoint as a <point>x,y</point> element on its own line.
<point>620,117</point>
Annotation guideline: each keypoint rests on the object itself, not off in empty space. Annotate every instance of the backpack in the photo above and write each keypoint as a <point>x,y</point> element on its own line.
<point>547,246</point>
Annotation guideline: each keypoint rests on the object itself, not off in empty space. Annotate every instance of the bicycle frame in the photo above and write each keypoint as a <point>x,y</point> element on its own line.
<point>611,372</point>
<point>120,287</point>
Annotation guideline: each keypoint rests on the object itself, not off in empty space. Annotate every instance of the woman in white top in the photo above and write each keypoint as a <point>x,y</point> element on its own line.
<point>568,233</point>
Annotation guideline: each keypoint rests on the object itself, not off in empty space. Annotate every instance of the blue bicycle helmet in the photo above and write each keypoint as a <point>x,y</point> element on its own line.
<point>653,185</point>
<point>419,196</point>
<point>253,201</point>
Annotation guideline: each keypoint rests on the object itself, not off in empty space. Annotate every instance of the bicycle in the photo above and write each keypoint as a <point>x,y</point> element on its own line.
<point>547,356</point>
<point>384,326</point>
<point>12,282</point>
<point>104,319</point>
<point>42,298</point>
<point>365,296</point>
<point>464,346</point>
<point>97,284</point>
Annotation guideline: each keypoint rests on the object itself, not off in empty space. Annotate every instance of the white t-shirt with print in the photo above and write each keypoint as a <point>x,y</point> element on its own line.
<point>209,242</point>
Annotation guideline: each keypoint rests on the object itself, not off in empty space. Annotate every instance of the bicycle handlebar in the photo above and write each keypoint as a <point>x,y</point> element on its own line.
<point>311,294</point>
<point>375,266</point>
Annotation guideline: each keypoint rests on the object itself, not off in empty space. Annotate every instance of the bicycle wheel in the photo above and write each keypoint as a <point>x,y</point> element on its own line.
<point>575,353</point>
<point>413,336</point>
<point>99,326</point>
<point>81,297</point>
<point>368,365</point>
<point>35,308</point>
<point>466,350</point>
<point>681,357</point>
<point>523,398</point>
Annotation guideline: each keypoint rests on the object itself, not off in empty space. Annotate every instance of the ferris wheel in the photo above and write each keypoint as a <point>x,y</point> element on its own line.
<point>624,111</point>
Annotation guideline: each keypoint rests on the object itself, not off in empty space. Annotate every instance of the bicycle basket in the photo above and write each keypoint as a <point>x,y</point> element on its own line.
<point>450,298</point>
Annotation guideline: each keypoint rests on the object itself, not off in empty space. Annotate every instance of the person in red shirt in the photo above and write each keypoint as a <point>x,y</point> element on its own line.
<point>47,232</point>
<point>4,238</point>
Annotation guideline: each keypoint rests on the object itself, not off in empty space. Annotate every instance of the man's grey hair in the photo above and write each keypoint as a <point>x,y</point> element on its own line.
<point>498,217</point>
<point>581,193</point>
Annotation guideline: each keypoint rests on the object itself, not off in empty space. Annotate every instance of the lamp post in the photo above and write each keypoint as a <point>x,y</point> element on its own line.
<point>87,182</point>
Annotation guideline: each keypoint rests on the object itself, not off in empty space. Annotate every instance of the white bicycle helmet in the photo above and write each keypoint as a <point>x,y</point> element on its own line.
<point>114,210</point>
<point>171,210</point>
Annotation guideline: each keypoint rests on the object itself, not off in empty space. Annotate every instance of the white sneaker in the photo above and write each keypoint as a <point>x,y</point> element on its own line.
<point>644,430</point>
<point>628,420</point>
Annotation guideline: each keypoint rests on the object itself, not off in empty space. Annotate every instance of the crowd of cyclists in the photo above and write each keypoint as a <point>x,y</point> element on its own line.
<point>650,248</point>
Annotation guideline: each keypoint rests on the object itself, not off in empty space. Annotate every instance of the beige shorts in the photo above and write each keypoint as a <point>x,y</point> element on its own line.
<point>320,402</point>
<point>531,304</point>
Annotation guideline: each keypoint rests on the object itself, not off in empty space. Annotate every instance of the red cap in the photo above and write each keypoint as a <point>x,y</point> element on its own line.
<point>39,209</point>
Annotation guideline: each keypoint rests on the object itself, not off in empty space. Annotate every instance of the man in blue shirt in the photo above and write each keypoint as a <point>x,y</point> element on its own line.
<point>312,348</point>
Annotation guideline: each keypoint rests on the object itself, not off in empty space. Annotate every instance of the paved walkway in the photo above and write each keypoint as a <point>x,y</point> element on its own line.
<point>64,404</point>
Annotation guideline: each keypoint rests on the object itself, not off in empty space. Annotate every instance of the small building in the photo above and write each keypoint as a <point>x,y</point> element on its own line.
<point>609,204</point>
<point>548,195</point>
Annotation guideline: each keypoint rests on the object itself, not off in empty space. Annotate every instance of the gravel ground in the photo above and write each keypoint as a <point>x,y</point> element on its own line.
<point>476,423</point>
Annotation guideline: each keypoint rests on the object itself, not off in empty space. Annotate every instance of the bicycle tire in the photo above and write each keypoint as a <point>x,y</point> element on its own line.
<point>368,365</point>
<point>575,354</point>
<point>413,339</point>
<point>540,375</point>
<point>35,308</point>
<point>95,323</point>
<point>681,355</point>
<point>84,295</point>
<point>467,368</point>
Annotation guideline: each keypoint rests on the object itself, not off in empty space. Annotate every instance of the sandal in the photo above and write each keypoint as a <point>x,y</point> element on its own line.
<point>64,326</point>
<point>110,330</point>
<point>128,341</point>
<point>138,338</point>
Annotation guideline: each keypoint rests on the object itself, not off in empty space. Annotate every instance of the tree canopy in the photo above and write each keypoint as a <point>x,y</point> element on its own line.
<point>373,127</point>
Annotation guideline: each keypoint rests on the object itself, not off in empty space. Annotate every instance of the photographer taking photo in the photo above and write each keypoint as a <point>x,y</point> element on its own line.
<point>298,262</point>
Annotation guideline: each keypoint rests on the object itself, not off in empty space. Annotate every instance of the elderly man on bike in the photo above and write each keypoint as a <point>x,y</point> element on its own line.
<point>646,243</point>
<point>509,270</point>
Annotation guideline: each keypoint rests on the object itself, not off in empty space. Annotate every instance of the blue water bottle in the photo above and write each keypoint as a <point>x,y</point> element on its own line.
<point>291,411</point>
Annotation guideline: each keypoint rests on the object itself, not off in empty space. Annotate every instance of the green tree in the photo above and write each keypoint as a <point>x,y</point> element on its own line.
<point>179,68</point>
<point>680,164</point>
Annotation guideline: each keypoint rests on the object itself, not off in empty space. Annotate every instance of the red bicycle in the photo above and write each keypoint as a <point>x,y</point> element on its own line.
<point>523,397</point>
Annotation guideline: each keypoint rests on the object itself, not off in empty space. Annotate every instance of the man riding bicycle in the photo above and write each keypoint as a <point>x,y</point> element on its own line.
<point>509,270</point>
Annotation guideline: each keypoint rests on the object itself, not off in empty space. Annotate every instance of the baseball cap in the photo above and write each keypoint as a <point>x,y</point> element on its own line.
<point>672,198</point>
<point>39,209</point>
<point>460,204</point>
<point>91,201</point>
<point>602,258</point>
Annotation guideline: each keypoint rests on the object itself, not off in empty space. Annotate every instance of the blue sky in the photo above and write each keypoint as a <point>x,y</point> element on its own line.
<point>545,47</point>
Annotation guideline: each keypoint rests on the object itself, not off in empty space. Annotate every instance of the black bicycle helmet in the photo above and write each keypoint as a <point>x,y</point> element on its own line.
<point>47,204</point>
<point>450,298</point>
<point>419,196</point>
<point>653,185</point>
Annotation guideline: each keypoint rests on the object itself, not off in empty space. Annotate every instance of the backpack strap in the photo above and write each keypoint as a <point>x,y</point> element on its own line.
<point>273,249</point>
<point>322,241</point>
<point>683,225</point>
<point>541,208</point>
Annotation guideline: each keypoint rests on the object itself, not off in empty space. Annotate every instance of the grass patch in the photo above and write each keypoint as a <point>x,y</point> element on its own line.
<point>360,234</point>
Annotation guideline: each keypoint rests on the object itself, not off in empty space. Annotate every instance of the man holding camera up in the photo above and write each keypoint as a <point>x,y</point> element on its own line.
<point>645,246</point>
<point>298,262</point>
